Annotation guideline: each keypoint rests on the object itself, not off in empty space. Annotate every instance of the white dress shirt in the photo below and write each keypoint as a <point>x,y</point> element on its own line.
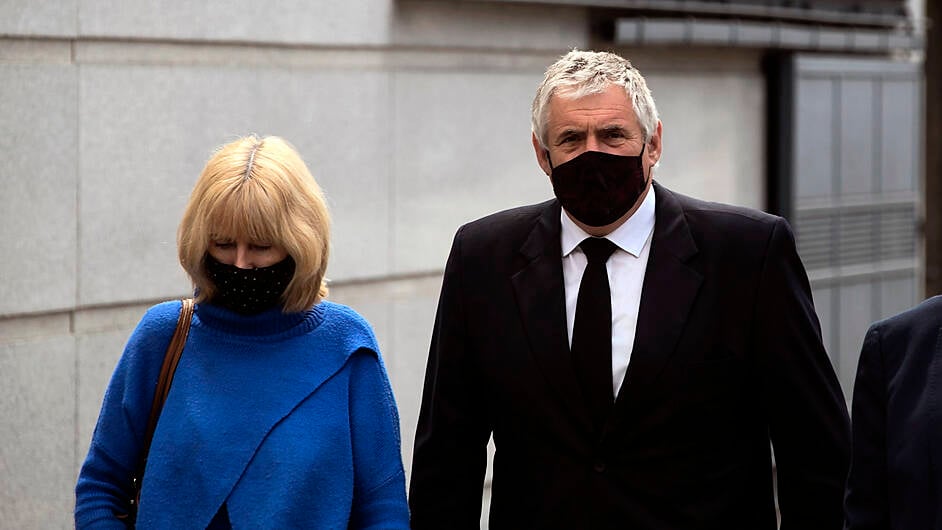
<point>626,268</point>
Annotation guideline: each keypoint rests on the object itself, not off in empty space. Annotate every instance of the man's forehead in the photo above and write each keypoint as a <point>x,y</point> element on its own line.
<point>611,103</point>
<point>604,117</point>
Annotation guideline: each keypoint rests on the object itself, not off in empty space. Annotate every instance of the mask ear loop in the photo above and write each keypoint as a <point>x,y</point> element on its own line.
<point>641,158</point>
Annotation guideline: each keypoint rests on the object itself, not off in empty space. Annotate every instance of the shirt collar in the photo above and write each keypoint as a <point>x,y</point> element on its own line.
<point>630,236</point>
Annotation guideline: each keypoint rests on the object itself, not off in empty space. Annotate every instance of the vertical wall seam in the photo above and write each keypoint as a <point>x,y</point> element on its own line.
<point>836,227</point>
<point>876,219</point>
<point>392,181</point>
<point>391,148</point>
<point>77,253</point>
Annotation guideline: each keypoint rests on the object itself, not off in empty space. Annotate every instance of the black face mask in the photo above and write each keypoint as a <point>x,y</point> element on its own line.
<point>249,291</point>
<point>598,188</point>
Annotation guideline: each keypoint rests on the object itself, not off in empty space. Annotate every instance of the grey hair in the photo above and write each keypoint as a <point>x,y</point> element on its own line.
<point>581,73</point>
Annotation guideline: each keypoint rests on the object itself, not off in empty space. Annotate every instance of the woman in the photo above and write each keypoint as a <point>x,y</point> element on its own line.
<point>280,414</point>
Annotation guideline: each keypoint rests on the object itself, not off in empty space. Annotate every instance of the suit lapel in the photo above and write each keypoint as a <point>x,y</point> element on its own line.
<point>669,290</point>
<point>540,297</point>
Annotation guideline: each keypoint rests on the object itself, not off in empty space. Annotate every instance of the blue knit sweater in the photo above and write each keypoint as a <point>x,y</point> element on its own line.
<point>288,419</point>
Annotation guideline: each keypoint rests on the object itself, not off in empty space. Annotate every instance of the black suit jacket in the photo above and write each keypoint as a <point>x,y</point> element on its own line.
<point>895,477</point>
<point>727,355</point>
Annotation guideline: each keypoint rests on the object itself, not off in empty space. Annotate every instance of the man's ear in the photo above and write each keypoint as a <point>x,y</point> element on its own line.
<point>653,152</point>
<point>541,157</point>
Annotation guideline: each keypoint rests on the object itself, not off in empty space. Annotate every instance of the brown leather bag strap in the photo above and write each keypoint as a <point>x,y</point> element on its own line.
<point>169,367</point>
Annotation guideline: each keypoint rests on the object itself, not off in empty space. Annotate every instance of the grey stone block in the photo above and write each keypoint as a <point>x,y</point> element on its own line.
<point>34,326</point>
<point>462,150</point>
<point>112,318</point>
<point>38,203</point>
<point>290,21</point>
<point>35,51</point>
<point>732,102</point>
<point>38,19</point>
<point>148,130</point>
<point>37,430</point>
<point>412,330</point>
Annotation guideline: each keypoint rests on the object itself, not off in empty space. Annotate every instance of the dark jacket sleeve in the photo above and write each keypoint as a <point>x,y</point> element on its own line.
<point>451,439</point>
<point>808,422</point>
<point>866,501</point>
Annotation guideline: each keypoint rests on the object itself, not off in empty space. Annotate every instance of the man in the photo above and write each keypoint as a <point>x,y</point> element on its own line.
<point>895,473</point>
<point>632,351</point>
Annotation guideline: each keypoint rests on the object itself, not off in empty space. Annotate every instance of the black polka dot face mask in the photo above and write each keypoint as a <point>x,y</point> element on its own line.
<point>249,291</point>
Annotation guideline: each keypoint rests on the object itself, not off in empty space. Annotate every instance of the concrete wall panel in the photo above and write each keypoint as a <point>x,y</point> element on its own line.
<point>50,18</point>
<point>38,183</point>
<point>363,22</point>
<point>457,162</point>
<point>411,337</point>
<point>148,130</point>
<point>713,135</point>
<point>37,429</point>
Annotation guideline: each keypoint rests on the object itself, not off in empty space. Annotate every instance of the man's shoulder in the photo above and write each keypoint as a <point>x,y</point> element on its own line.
<point>723,227</point>
<point>720,213</point>
<point>925,315</point>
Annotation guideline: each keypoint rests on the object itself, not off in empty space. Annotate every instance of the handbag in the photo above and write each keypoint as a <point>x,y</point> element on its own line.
<point>171,358</point>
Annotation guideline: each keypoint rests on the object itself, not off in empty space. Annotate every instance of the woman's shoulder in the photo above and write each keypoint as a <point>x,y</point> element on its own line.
<point>345,323</point>
<point>156,326</point>
<point>344,314</point>
<point>160,317</point>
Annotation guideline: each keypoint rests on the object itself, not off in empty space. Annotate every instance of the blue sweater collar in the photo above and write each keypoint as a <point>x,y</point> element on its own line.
<point>265,324</point>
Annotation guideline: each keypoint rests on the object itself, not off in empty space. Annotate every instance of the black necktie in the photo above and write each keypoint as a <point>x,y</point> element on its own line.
<point>592,331</point>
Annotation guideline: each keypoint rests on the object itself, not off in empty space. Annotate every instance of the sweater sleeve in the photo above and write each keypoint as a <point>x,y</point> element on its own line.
<point>104,486</point>
<point>379,490</point>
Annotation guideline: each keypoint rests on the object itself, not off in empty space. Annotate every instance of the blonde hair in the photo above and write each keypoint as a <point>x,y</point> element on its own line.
<point>259,189</point>
<point>580,73</point>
